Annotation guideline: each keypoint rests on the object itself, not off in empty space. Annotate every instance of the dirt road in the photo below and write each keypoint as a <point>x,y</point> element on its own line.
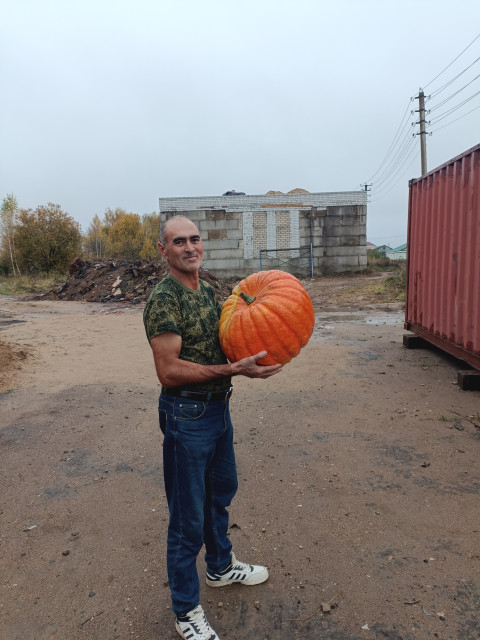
<point>359,484</point>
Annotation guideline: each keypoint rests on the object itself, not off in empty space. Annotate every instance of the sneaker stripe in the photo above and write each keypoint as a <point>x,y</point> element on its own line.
<point>194,626</point>
<point>238,576</point>
<point>238,572</point>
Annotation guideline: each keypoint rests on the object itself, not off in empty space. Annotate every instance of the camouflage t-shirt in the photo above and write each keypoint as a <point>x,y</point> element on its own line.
<point>194,315</point>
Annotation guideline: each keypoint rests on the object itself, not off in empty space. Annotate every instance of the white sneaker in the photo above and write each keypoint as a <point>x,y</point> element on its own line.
<point>238,572</point>
<point>194,626</point>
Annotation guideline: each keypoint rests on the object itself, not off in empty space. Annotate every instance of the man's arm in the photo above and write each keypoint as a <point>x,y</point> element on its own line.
<point>173,372</point>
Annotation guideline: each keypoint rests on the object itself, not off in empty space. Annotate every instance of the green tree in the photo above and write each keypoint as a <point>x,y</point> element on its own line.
<point>8,215</point>
<point>47,239</point>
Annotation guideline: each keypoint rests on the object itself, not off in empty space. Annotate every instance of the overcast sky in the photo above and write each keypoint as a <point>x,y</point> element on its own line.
<point>114,103</point>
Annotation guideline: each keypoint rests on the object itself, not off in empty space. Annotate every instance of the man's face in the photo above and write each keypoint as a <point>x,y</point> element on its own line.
<point>182,247</point>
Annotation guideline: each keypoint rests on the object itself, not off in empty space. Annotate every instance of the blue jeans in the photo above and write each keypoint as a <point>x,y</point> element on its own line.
<point>200,482</point>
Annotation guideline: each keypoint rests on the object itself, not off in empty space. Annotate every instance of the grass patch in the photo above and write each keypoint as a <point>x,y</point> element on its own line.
<point>378,262</point>
<point>23,286</point>
<point>391,288</point>
<point>396,284</point>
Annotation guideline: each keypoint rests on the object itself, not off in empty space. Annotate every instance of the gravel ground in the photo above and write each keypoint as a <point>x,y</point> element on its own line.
<point>358,469</point>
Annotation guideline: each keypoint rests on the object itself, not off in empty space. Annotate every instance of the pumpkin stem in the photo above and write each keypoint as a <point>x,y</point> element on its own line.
<point>248,299</point>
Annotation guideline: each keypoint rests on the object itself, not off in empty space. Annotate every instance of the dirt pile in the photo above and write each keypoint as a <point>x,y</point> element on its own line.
<point>11,359</point>
<point>120,281</point>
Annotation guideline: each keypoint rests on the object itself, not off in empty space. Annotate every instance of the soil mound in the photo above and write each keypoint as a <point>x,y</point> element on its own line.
<point>11,360</point>
<point>120,281</point>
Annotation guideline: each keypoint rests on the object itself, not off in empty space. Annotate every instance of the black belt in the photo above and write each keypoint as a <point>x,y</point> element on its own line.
<point>202,396</point>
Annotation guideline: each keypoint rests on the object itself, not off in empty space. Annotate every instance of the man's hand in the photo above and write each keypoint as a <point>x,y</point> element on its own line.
<point>248,367</point>
<point>173,372</point>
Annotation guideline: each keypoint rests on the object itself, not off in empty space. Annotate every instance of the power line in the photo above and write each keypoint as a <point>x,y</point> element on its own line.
<point>440,104</point>
<point>454,60</point>
<point>453,109</point>
<point>402,146</point>
<point>414,159</point>
<point>447,84</point>
<point>459,118</point>
<point>407,143</point>
<point>393,142</point>
<point>391,179</point>
<point>398,174</point>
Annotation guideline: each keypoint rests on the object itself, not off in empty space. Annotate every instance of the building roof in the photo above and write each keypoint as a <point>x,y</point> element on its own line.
<point>237,202</point>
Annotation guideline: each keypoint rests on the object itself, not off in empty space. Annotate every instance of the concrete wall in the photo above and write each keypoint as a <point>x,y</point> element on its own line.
<point>288,228</point>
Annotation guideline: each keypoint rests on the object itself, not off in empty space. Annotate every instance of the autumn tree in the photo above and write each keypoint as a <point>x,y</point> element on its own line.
<point>151,233</point>
<point>111,216</point>
<point>125,237</point>
<point>151,226</point>
<point>47,239</point>
<point>95,239</point>
<point>8,215</point>
<point>149,251</point>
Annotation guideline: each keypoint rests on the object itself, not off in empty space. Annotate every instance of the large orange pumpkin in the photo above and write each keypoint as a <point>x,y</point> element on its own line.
<point>268,311</point>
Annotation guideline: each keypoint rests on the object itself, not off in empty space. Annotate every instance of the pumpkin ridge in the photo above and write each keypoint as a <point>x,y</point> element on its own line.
<point>264,331</point>
<point>304,301</point>
<point>227,328</point>
<point>239,332</point>
<point>224,326</point>
<point>250,285</point>
<point>288,342</point>
<point>251,339</point>
<point>288,285</point>
<point>273,311</point>
<point>292,327</point>
<point>229,307</point>
<point>292,350</point>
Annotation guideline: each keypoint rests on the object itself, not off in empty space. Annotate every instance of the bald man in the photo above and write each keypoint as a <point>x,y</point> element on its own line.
<point>181,321</point>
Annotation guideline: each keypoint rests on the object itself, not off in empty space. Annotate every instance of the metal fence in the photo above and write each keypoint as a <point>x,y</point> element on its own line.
<point>295,260</point>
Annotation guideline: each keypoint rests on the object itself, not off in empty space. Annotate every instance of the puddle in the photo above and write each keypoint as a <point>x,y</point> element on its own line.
<point>7,323</point>
<point>396,316</point>
<point>326,322</point>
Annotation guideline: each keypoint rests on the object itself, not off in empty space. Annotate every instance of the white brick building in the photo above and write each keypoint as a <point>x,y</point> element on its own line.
<point>303,233</point>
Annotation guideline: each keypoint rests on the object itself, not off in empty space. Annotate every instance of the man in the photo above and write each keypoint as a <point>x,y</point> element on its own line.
<point>181,321</point>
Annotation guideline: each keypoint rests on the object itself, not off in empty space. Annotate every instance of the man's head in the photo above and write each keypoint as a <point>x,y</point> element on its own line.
<point>181,246</point>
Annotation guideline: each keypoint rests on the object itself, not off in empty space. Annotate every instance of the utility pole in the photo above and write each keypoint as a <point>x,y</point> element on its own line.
<point>367,187</point>
<point>423,132</point>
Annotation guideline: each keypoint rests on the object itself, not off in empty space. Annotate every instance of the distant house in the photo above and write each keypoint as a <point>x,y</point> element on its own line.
<point>383,248</point>
<point>399,253</point>
<point>371,246</point>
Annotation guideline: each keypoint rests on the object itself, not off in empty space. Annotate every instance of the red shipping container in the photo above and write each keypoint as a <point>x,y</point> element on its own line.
<point>443,257</point>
